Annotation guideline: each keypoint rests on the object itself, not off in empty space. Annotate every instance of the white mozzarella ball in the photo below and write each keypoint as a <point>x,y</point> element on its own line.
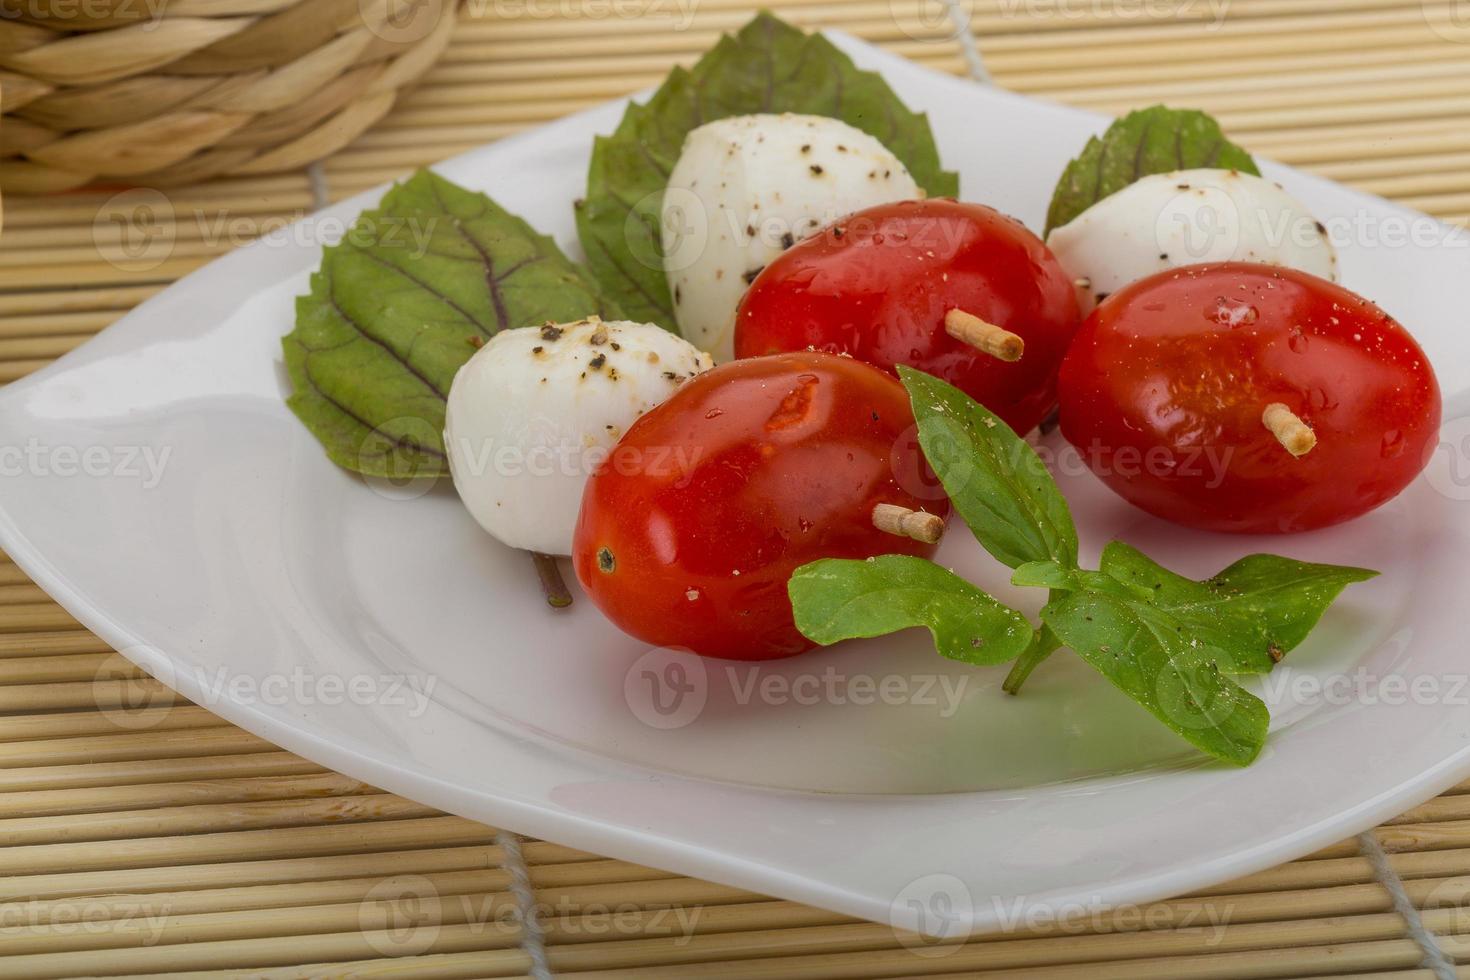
<point>1164,221</point>
<point>535,410</point>
<point>744,190</point>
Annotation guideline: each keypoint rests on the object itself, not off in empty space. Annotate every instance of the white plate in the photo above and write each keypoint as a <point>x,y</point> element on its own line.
<point>255,577</point>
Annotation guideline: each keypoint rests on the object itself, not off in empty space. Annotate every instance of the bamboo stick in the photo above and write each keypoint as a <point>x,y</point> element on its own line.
<point>106,250</point>
<point>11,575</point>
<point>228,876</point>
<point>239,198</point>
<point>96,273</point>
<point>1046,79</point>
<point>58,324</point>
<point>271,951</point>
<point>1303,99</point>
<point>13,371</point>
<point>432,966</point>
<point>104,908</point>
<point>147,745</point>
<point>882,947</point>
<point>152,852</point>
<point>1332,959</point>
<point>152,770</point>
<point>410,899</point>
<point>49,803</point>
<point>36,644</point>
<point>136,826</point>
<point>25,592</point>
<point>64,301</point>
<point>200,224</point>
<point>1377,168</point>
<point>72,724</point>
<point>40,615</point>
<point>1337,74</point>
<point>99,693</point>
<point>65,668</point>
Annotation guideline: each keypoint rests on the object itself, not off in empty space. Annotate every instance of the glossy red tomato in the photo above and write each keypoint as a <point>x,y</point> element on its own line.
<point>690,530</point>
<point>1165,389</point>
<point>878,285</point>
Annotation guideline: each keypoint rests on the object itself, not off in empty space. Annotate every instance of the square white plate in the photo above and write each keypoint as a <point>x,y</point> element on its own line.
<point>385,636</point>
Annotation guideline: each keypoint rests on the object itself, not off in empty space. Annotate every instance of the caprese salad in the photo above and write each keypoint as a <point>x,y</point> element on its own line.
<point>795,352</point>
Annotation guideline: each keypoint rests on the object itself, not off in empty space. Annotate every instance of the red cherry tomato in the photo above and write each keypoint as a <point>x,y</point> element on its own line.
<point>877,286</point>
<point>1164,390</point>
<point>690,530</point>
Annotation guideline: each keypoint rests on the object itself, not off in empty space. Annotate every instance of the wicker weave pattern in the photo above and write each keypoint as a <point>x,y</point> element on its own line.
<point>164,93</point>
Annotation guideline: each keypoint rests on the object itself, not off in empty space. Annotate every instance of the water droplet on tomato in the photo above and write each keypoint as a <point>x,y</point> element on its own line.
<point>1232,313</point>
<point>1297,341</point>
<point>714,413</point>
<point>1320,400</point>
<point>796,406</point>
<point>1393,444</point>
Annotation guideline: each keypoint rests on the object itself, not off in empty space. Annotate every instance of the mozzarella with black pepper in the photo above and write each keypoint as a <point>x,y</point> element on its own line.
<point>535,410</point>
<point>747,188</point>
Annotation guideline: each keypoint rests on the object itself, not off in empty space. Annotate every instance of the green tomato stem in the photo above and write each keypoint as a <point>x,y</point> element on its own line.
<point>557,594</point>
<point>1042,646</point>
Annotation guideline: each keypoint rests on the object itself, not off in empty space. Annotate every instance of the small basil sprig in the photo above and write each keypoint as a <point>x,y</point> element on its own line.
<point>1170,643</point>
<point>1156,140</point>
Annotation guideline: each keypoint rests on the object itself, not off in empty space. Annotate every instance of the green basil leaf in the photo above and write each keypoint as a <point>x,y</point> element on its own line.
<point>768,66</point>
<point>1253,613</point>
<point>1045,575</point>
<point>1147,654</point>
<point>998,484</point>
<point>400,303</point>
<point>1156,140</point>
<point>838,599</point>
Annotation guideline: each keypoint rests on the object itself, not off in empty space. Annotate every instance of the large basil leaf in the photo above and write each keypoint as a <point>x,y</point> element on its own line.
<point>768,66</point>
<point>836,599</point>
<point>1148,655</point>
<point>400,303</point>
<point>1253,613</point>
<point>998,484</point>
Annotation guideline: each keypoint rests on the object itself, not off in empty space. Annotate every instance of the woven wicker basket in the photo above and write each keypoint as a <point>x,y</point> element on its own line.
<point>169,91</point>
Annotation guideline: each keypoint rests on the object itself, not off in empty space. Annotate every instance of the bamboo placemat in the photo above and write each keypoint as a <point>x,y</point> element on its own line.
<point>159,839</point>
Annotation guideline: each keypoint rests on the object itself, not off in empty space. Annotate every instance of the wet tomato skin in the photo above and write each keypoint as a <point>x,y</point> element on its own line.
<point>1164,389</point>
<point>691,528</point>
<point>877,286</point>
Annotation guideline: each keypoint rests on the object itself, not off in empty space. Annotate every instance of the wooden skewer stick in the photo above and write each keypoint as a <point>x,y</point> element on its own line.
<point>995,341</point>
<point>915,524</point>
<point>1295,436</point>
<point>557,594</point>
